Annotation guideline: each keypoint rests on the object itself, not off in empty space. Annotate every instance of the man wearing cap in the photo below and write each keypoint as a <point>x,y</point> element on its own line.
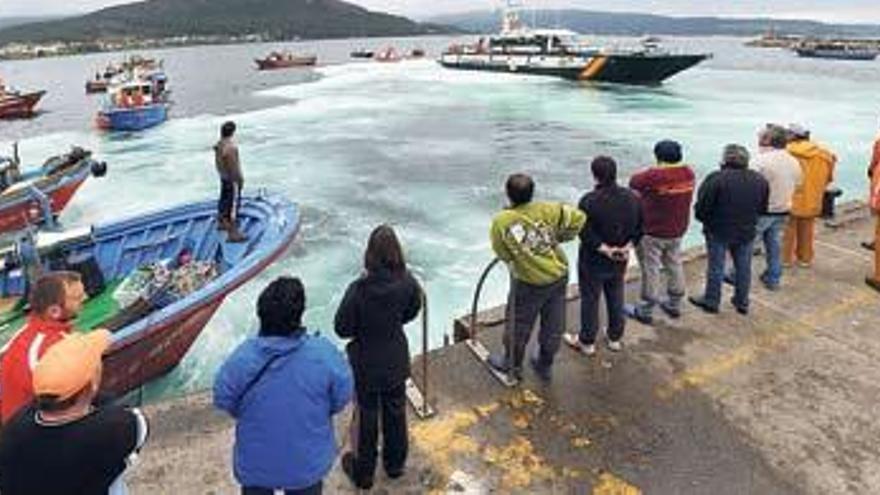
<point>817,165</point>
<point>62,444</point>
<point>55,300</point>
<point>666,191</point>
<point>729,203</point>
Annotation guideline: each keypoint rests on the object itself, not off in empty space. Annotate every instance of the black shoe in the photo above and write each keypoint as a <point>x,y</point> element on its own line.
<point>499,363</point>
<point>348,462</point>
<point>633,312</point>
<point>672,312</point>
<point>701,303</point>
<point>873,283</point>
<point>543,372</point>
<point>868,245</point>
<point>743,310</point>
<point>395,473</point>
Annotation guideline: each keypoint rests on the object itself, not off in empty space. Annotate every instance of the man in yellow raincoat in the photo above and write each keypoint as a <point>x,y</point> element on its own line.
<point>817,164</point>
<point>874,175</point>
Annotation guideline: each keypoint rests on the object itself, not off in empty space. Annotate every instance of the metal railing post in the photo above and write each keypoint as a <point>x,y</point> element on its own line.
<point>418,397</point>
<point>477,347</point>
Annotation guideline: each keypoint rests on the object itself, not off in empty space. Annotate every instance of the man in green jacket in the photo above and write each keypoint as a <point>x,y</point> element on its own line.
<point>527,237</point>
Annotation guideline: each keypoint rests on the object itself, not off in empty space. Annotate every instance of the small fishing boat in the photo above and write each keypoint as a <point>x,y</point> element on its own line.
<point>389,54</point>
<point>361,53</point>
<point>17,104</point>
<point>154,320</point>
<point>417,53</point>
<point>135,105</point>
<point>35,197</point>
<point>285,60</point>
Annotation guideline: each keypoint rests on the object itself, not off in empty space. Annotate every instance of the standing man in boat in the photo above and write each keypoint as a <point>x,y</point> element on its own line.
<point>231,182</point>
<point>666,191</point>
<point>817,165</point>
<point>527,237</point>
<point>62,443</point>
<point>55,300</point>
<point>283,388</point>
<point>614,227</point>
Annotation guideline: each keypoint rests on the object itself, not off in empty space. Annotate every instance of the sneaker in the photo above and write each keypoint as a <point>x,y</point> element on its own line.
<point>873,283</point>
<point>670,310</point>
<point>394,473</point>
<point>575,343</point>
<point>634,312</point>
<point>701,303</point>
<point>615,346</point>
<point>348,462</point>
<point>771,286</point>
<point>499,363</point>
<point>543,372</point>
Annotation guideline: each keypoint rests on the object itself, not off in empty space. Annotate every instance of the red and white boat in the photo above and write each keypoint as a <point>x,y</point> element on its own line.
<point>389,54</point>
<point>285,60</point>
<point>17,105</point>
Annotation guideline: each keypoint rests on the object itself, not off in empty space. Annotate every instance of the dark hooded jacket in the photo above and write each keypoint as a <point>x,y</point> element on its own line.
<point>729,203</point>
<point>372,313</point>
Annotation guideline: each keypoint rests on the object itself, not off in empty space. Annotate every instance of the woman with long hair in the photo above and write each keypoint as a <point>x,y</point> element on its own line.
<point>372,314</point>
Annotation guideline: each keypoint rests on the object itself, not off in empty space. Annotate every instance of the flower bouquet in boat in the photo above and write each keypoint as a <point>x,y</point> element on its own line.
<point>154,280</point>
<point>37,195</point>
<point>285,60</point>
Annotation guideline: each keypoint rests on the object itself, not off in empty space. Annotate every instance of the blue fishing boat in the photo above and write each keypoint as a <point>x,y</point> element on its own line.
<point>154,280</point>
<point>135,105</point>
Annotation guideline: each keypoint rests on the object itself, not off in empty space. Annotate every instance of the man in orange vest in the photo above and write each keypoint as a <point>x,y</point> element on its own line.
<point>817,164</point>
<point>55,300</point>
<point>874,175</point>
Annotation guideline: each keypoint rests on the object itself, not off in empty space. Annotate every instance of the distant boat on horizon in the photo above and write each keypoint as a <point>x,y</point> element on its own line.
<point>837,51</point>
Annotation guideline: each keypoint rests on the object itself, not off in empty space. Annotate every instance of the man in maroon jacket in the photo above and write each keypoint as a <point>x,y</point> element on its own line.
<point>666,190</point>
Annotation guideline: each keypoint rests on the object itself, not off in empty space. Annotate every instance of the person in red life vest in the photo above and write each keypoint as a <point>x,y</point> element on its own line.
<point>55,300</point>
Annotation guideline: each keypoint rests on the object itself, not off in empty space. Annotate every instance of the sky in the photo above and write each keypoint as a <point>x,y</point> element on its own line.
<point>850,11</point>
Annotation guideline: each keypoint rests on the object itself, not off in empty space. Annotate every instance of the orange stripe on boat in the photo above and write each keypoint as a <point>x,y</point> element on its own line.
<point>593,68</point>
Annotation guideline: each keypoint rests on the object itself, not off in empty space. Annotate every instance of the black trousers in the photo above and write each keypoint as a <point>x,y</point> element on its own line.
<point>373,407</point>
<point>527,302</point>
<point>230,195</point>
<point>593,283</point>
<point>316,489</point>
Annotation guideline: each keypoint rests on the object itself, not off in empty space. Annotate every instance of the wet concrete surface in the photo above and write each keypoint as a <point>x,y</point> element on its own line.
<point>782,401</point>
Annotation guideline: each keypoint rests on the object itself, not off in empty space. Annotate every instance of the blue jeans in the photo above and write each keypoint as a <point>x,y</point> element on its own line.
<point>770,229</point>
<point>742,265</point>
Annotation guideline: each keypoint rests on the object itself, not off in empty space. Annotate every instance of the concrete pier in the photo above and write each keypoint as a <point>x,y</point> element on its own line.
<point>785,400</point>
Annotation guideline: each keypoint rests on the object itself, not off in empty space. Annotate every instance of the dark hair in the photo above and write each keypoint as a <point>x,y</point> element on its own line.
<point>51,289</point>
<point>384,251</point>
<point>520,189</point>
<point>604,170</point>
<point>777,137</point>
<point>280,307</point>
<point>227,129</point>
<point>735,156</point>
<point>668,151</point>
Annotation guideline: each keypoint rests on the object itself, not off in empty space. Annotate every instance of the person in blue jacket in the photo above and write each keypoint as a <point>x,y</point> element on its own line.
<point>283,388</point>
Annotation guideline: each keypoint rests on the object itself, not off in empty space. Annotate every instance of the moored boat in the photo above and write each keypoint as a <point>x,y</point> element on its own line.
<point>560,53</point>
<point>837,51</point>
<point>27,197</point>
<point>361,53</point>
<point>389,54</point>
<point>17,105</point>
<point>154,322</point>
<point>285,60</point>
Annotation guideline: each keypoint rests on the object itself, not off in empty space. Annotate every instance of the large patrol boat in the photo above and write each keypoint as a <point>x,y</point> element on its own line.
<point>560,53</point>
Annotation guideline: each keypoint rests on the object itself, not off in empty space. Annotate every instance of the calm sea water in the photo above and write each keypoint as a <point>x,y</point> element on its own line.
<point>422,148</point>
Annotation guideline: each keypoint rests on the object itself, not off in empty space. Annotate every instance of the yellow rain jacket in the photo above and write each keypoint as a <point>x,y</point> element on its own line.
<point>817,164</point>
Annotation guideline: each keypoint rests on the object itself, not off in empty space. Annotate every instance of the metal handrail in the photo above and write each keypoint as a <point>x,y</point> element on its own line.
<point>418,397</point>
<point>472,331</point>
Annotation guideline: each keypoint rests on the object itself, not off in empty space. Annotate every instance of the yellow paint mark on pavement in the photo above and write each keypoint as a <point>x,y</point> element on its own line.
<point>797,326</point>
<point>445,438</point>
<point>519,464</point>
<point>612,485</point>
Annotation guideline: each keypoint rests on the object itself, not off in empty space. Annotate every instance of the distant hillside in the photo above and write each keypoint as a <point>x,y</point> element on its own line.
<point>6,22</point>
<point>274,19</point>
<point>609,23</point>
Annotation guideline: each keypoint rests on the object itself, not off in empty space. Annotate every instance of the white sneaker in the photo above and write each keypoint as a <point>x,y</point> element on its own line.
<point>575,343</point>
<point>615,346</point>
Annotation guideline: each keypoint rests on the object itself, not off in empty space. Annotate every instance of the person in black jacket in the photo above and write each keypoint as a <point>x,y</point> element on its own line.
<point>729,203</point>
<point>372,314</point>
<point>614,226</point>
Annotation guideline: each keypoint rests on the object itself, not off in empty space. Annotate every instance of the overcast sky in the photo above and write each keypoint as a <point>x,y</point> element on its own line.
<point>867,11</point>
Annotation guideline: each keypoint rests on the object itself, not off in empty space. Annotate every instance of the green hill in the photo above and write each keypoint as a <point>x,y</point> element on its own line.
<point>273,19</point>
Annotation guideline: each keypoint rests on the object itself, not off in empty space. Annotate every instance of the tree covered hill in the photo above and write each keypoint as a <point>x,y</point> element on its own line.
<point>273,19</point>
